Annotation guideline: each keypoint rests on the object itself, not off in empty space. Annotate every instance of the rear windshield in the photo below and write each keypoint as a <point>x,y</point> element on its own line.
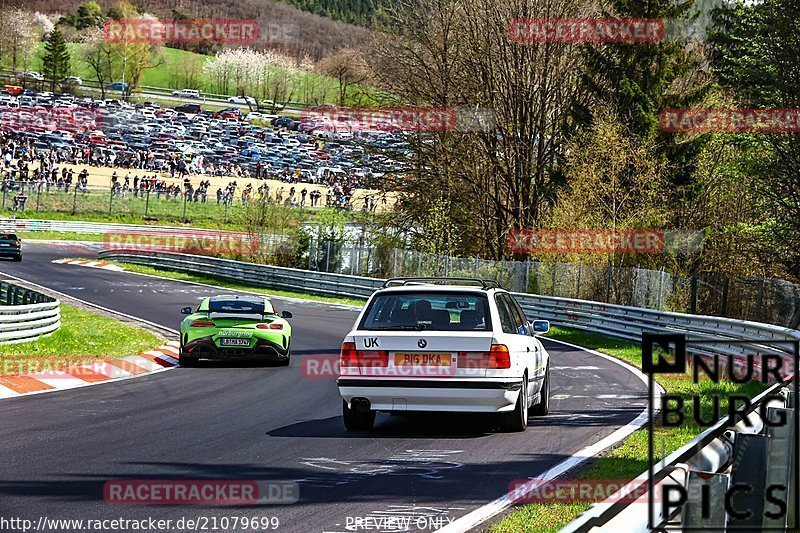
<point>8,237</point>
<point>431,311</point>
<point>236,306</point>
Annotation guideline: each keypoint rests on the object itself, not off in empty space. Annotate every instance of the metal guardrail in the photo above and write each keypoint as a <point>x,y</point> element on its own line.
<point>613,320</point>
<point>630,322</point>
<point>713,459</point>
<point>25,314</point>
<point>98,228</point>
<point>292,279</point>
<point>713,451</point>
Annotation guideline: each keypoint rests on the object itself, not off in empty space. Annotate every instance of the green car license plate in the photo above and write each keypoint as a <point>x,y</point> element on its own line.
<point>234,342</point>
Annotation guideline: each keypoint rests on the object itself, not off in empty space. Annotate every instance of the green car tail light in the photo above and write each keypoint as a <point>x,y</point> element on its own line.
<point>201,324</point>
<point>273,325</point>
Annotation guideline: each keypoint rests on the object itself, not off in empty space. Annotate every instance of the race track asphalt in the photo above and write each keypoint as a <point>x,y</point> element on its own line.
<point>268,423</point>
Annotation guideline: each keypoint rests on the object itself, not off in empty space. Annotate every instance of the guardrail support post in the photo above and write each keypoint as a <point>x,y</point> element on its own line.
<point>779,458</point>
<point>704,492</point>
<point>725,286</point>
<point>749,473</point>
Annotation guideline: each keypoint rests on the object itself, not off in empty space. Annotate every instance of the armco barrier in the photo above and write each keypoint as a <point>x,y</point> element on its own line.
<point>712,460</point>
<point>26,315</point>
<point>98,228</point>
<point>323,283</point>
<point>711,452</point>
<point>607,319</point>
<point>120,233</point>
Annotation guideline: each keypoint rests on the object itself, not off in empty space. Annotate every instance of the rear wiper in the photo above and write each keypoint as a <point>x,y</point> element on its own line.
<point>407,327</point>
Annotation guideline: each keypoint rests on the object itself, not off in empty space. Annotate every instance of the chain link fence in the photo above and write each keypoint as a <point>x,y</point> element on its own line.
<point>174,204</point>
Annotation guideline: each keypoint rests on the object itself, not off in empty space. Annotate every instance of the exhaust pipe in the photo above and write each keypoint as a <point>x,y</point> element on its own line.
<point>361,405</point>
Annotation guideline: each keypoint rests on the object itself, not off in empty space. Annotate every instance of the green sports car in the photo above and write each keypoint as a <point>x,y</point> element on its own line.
<point>226,328</point>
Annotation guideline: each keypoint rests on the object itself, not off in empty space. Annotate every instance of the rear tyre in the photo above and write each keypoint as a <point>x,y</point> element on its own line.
<point>543,407</point>
<point>357,420</point>
<point>285,362</point>
<point>18,258</point>
<point>184,360</point>
<point>517,420</point>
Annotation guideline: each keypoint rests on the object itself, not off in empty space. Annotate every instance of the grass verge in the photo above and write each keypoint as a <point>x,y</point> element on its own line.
<point>83,337</point>
<point>629,459</point>
<point>141,269</point>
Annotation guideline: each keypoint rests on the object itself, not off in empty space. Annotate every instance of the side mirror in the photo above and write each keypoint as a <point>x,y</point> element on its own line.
<point>540,326</point>
<point>186,311</point>
<point>286,314</point>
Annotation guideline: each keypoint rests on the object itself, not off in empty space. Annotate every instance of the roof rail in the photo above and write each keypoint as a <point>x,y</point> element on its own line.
<point>484,283</point>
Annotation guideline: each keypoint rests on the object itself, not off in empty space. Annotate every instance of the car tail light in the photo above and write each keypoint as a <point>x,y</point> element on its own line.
<point>201,324</point>
<point>273,325</point>
<point>351,357</point>
<point>347,357</point>
<point>15,243</point>
<point>497,357</point>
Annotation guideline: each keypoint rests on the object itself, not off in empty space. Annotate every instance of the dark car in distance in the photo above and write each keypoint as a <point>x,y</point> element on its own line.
<point>10,246</point>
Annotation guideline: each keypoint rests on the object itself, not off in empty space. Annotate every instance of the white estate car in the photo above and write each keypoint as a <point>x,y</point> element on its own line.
<point>421,345</point>
<point>187,93</point>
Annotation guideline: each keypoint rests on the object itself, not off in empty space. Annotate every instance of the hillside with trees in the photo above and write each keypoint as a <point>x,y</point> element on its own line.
<point>283,27</point>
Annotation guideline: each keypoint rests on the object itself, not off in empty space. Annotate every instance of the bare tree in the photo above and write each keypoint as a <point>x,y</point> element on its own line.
<point>348,68</point>
<point>98,54</point>
<point>17,36</point>
<point>458,55</point>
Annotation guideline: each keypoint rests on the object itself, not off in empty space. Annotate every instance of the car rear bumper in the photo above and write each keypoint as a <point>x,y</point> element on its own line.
<point>463,396</point>
<point>205,348</point>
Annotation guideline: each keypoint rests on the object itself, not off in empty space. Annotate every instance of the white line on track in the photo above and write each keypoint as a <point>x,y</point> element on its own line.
<point>490,510</point>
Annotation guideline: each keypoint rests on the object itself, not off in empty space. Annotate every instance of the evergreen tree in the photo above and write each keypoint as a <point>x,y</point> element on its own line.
<point>757,58</point>
<point>636,80</point>
<point>56,60</point>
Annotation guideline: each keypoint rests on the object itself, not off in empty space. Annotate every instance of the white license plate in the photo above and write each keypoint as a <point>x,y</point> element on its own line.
<point>234,342</point>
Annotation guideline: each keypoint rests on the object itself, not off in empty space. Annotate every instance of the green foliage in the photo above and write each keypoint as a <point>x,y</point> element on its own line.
<point>56,60</point>
<point>638,81</point>
<point>757,57</point>
<point>329,237</point>
<point>361,12</point>
<point>88,15</point>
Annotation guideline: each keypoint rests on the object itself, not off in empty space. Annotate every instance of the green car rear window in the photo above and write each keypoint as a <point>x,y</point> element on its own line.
<point>8,237</point>
<point>236,306</point>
